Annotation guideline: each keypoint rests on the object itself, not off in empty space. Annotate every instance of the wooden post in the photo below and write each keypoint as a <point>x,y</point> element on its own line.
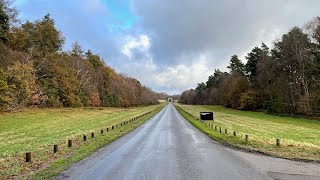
<point>84,137</point>
<point>28,157</point>
<point>101,131</point>
<point>212,126</point>
<point>69,143</point>
<point>112,127</point>
<point>234,133</point>
<point>247,137</point>
<point>226,131</point>
<point>107,129</point>
<point>220,129</point>
<point>55,148</point>
<point>278,142</point>
<point>92,135</point>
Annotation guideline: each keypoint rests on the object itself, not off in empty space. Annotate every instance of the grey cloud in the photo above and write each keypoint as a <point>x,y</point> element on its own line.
<point>221,26</point>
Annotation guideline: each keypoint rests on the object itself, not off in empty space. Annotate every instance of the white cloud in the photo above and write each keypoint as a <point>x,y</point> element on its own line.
<point>183,76</point>
<point>171,79</point>
<point>132,44</point>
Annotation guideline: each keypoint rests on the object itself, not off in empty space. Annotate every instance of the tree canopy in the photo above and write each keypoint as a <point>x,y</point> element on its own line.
<point>284,79</point>
<point>35,71</point>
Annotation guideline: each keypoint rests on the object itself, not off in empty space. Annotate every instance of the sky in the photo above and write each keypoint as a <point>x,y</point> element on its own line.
<point>170,46</point>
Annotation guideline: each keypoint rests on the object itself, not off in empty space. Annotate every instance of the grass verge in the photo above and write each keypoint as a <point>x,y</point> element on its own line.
<point>49,163</point>
<point>262,130</point>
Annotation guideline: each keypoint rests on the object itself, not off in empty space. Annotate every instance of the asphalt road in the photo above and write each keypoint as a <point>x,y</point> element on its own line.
<point>169,147</point>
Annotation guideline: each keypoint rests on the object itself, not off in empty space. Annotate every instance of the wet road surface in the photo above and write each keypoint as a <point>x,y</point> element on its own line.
<point>168,147</point>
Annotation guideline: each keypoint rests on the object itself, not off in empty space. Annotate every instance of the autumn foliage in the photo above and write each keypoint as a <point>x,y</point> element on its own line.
<point>35,71</point>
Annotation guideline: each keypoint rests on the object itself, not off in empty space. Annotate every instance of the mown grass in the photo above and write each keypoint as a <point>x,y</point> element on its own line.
<point>300,138</point>
<point>37,130</point>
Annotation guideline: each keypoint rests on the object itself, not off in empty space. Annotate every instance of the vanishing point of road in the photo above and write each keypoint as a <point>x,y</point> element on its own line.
<point>169,147</point>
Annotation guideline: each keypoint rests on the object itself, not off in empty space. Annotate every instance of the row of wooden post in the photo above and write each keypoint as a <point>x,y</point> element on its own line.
<point>226,130</point>
<point>56,147</point>
<point>235,134</point>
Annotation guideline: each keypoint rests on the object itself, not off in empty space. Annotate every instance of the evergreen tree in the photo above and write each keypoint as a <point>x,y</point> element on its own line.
<point>253,58</point>
<point>236,65</point>
<point>4,25</point>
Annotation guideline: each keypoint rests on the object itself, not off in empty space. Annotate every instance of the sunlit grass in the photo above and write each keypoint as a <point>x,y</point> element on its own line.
<point>36,130</point>
<point>300,138</point>
<point>33,128</point>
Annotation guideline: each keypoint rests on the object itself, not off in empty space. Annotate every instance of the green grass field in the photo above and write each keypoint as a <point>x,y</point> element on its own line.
<point>300,138</point>
<point>37,130</point>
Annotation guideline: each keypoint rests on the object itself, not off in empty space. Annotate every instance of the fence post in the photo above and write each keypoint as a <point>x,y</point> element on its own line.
<point>84,137</point>
<point>220,129</point>
<point>28,157</point>
<point>278,142</point>
<point>226,131</point>
<point>101,131</point>
<point>107,129</point>
<point>92,135</point>
<point>69,143</point>
<point>55,148</point>
<point>247,137</point>
<point>234,133</point>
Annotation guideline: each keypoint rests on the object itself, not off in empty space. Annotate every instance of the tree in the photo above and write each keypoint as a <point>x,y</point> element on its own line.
<point>216,79</point>
<point>76,50</point>
<point>253,58</point>
<point>21,78</point>
<point>5,89</point>
<point>236,65</point>
<point>294,59</point>
<point>35,71</point>
<point>11,11</point>
<point>235,86</point>
<point>38,39</point>
<point>94,59</point>
<point>4,25</point>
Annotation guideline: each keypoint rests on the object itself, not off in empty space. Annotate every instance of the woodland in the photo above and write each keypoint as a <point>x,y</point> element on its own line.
<point>282,79</point>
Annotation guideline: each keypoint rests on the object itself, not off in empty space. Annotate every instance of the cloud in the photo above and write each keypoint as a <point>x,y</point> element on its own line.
<point>227,26</point>
<point>166,78</point>
<point>140,44</point>
<point>171,45</point>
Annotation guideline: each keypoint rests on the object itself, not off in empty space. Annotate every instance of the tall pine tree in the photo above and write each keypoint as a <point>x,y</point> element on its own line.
<point>4,25</point>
